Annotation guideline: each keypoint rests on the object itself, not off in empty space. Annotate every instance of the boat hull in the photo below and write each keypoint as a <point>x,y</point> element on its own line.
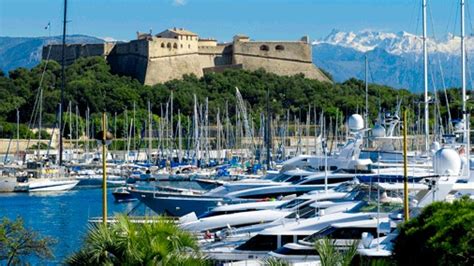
<point>47,186</point>
<point>176,205</point>
<point>7,184</point>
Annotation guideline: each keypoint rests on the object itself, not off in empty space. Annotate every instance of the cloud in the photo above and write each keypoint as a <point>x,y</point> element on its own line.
<point>179,2</point>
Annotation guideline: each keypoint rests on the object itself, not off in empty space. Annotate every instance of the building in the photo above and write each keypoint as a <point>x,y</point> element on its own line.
<point>174,52</point>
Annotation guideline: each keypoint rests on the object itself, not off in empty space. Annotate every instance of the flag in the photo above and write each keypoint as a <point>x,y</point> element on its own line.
<point>47,26</point>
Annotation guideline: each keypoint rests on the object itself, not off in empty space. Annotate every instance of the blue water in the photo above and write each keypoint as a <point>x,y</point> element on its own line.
<point>61,215</point>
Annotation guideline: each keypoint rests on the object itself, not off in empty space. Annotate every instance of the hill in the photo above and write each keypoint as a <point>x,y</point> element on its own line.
<point>26,51</point>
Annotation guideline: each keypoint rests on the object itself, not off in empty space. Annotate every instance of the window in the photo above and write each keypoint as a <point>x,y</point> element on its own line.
<point>331,180</point>
<point>280,47</point>
<point>264,48</point>
<point>175,46</point>
<point>189,46</point>
<point>294,179</point>
<point>162,45</point>
<point>260,243</point>
<point>292,203</point>
<point>181,45</point>
<point>168,45</point>
<point>309,251</point>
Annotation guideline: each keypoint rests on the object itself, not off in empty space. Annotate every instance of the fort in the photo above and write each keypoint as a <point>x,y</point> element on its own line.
<point>174,52</point>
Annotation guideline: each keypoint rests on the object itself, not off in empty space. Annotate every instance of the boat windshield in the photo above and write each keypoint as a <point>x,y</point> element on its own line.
<point>292,203</point>
<point>303,213</point>
<point>354,171</point>
<point>307,251</point>
<point>344,187</point>
<point>342,233</point>
<point>287,178</point>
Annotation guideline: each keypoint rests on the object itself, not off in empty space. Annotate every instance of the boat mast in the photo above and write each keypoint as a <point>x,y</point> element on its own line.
<point>218,137</point>
<point>425,76</point>
<point>88,131</point>
<point>18,134</point>
<point>150,129</point>
<point>196,132</point>
<point>463,72</point>
<point>63,84</point>
<point>40,122</point>
<point>180,146</point>
<point>465,115</point>
<point>206,130</point>
<point>77,128</point>
<point>267,132</point>
<point>366,118</point>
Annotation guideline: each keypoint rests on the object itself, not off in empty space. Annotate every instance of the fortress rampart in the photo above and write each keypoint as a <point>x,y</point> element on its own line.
<point>174,52</point>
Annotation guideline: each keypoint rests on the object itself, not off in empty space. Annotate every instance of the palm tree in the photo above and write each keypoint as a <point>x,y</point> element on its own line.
<point>155,242</point>
<point>271,261</point>
<point>330,255</point>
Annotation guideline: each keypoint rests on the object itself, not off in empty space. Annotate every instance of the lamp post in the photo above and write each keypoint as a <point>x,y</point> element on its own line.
<point>104,138</point>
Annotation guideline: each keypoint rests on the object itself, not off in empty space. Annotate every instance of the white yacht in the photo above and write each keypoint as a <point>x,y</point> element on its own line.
<point>270,239</point>
<point>44,178</point>
<point>301,206</point>
<point>343,234</point>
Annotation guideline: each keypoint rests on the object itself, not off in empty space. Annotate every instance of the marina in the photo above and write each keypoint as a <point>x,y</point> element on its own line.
<point>177,149</point>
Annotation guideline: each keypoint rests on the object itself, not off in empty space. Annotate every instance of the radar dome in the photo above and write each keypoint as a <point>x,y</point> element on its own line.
<point>446,162</point>
<point>435,146</point>
<point>378,131</point>
<point>356,122</point>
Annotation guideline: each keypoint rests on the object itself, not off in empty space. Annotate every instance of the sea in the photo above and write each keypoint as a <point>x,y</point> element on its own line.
<point>63,215</point>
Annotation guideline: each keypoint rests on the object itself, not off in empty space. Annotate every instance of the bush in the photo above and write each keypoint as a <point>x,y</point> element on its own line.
<point>443,234</point>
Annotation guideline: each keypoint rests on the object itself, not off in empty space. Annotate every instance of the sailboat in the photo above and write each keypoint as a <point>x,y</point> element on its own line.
<point>43,175</point>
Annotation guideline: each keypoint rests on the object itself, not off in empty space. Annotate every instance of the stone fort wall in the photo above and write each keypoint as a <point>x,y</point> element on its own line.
<point>173,53</point>
<point>281,58</point>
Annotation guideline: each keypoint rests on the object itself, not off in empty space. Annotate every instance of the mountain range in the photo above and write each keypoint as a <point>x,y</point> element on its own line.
<point>395,59</point>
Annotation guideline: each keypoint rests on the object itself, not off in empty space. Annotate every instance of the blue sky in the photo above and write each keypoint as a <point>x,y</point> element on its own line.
<point>221,19</point>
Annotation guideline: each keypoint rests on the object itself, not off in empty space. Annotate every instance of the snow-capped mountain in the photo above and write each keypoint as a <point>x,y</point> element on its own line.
<point>395,58</point>
<point>395,43</point>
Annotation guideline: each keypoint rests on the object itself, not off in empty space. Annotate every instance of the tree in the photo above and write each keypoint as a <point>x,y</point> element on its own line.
<point>90,84</point>
<point>157,241</point>
<point>18,242</point>
<point>330,255</point>
<point>443,234</point>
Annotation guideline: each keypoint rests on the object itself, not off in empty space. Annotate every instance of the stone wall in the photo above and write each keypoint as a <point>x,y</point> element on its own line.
<point>74,51</point>
<point>162,69</point>
<point>130,59</point>
<point>212,56</point>
<point>280,66</point>
<point>281,58</point>
<point>294,51</point>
